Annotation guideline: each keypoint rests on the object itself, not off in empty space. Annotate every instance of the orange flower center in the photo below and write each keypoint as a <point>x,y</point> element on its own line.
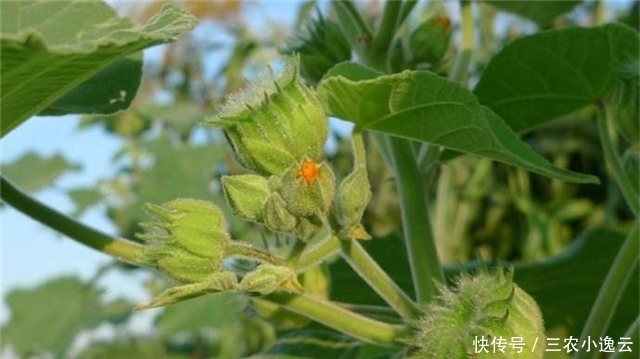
<point>309,171</point>
<point>443,22</point>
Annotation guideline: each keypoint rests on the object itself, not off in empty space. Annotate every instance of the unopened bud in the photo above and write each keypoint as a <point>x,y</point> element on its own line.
<point>354,195</point>
<point>247,195</point>
<point>429,41</point>
<point>186,239</point>
<point>266,278</point>
<point>308,188</point>
<point>482,306</point>
<point>277,217</point>
<point>275,123</point>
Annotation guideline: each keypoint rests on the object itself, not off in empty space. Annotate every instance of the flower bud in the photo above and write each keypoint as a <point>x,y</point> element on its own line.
<point>267,278</point>
<point>247,195</point>
<point>429,41</point>
<point>485,307</point>
<point>277,217</point>
<point>308,188</point>
<point>354,194</point>
<point>275,123</point>
<point>186,239</point>
<point>321,45</point>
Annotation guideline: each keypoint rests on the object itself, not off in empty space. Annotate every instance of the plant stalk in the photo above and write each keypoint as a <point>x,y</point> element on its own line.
<point>338,318</point>
<point>369,270</point>
<point>633,332</point>
<point>605,116</point>
<point>418,234</point>
<point>120,248</point>
<point>612,289</point>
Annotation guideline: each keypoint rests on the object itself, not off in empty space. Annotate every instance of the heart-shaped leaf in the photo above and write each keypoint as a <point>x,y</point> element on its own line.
<point>422,106</point>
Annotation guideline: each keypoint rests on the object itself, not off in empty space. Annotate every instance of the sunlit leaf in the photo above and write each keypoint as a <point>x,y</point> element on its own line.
<point>422,106</point>
<point>541,77</point>
<point>32,171</point>
<point>85,62</point>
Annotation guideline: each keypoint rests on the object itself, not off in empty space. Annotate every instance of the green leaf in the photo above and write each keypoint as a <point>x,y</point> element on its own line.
<point>33,172</point>
<point>83,198</point>
<point>542,12</point>
<point>86,62</point>
<point>541,77</point>
<point>218,310</point>
<point>48,317</point>
<point>565,287</point>
<point>312,344</point>
<point>422,106</point>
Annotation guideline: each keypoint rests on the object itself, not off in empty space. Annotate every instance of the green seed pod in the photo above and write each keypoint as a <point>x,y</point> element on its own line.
<point>187,238</point>
<point>277,217</point>
<point>267,278</point>
<point>483,307</point>
<point>247,195</point>
<point>429,41</point>
<point>308,188</point>
<point>275,123</point>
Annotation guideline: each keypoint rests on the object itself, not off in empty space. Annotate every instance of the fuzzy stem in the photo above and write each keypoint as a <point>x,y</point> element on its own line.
<point>120,248</point>
<point>369,270</point>
<point>315,254</point>
<point>605,116</point>
<point>612,289</point>
<point>338,318</point>
<point>387,30</point>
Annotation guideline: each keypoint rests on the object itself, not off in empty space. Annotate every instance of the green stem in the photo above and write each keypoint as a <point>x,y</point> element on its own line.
<point>632,332</point>
<point>387,30</point>
<point>315,254</point>
<point>352,25</point>
<point>612,289</point>
<point>369,270</point>
<point>338,318</point>
<point>460,70</point>
<point>605,116</point>
<point>120,248</point>
<point>418,234</point>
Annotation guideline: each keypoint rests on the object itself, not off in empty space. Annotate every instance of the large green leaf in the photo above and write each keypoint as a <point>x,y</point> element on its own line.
<point>33,172</point>
<point>312,344</point>
<point>541,77</point>
<point>82,66</point>
<point>422,106</point>
<point>48,317</point>
<point>542,12</point>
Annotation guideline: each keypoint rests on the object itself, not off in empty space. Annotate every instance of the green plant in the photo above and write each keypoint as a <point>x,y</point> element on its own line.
<point>406,90</point>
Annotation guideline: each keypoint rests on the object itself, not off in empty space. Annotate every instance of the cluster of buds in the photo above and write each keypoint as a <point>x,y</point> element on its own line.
<point>481,306</point>
<point>277,129</point>
<point>188,241</point>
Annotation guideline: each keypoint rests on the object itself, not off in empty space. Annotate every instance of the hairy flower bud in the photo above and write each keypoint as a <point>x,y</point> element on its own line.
<point>429,41</point>
<point>186,239</point>
<point>275,123</point>
<point>308,188</point>
<point>354,194</point>
<point>247,195</point>
<point>482,308</point>
<point>267,278</point>
<point>277,217</point>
